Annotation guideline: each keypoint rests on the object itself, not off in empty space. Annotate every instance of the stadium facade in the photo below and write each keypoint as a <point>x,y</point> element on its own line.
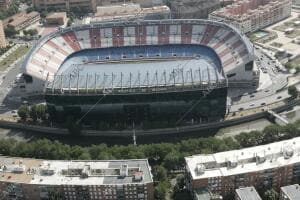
<point>142,71</point>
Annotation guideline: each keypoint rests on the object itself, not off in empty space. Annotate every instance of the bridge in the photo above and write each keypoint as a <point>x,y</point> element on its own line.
<point>273,114</point>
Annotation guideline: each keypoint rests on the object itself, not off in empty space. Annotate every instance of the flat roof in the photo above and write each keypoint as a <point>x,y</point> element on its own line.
<point>56,15</point>
<point>20,18</point>
<point>63,172</point>
<point>291,191</point>
<point>245,160</point>
<point>247,193</point>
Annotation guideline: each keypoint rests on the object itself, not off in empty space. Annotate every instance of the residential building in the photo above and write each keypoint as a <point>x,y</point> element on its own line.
<point>247,193</point>
<point>252,15</point>
<point>4,4</point>
<point>290,192</point>
<point>33,179</point>
<point>193,9</point>
<point>130,12</point>
<point>142,3</point>
<point>56,18</point>
<point>21,20</point>
<point>272,165</point>
<point>3,42</point>
<point>65,5</point>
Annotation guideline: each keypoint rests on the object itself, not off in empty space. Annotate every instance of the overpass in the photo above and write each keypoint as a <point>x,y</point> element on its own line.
<point>273,114</point>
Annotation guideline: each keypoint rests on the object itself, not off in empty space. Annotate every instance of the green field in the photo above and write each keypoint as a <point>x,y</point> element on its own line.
<point>19,52</point>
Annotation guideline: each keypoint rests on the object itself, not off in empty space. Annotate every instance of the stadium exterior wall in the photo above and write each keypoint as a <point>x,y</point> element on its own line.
<point>198,105</point>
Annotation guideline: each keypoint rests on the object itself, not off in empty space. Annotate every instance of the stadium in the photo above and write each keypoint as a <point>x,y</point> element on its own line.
<point>175,70</point>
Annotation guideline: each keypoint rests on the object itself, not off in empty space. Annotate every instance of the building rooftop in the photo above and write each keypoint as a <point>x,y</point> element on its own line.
<point>292,192</point>
<point>247,193</point>
<point>62,172</point>
<point>246,160</point>
<point>126,11</point>
<point>55,15</point>
<point>204,194</point>
<point>20,18</point>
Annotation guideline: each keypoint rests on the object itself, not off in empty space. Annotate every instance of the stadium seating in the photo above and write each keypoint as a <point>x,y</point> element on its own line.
<point>48,56</point>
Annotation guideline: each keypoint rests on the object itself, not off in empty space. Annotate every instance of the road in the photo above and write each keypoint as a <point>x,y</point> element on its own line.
<point>272,79</point>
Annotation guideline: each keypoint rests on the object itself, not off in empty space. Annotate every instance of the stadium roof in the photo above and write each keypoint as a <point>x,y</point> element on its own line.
<point>178,68</point>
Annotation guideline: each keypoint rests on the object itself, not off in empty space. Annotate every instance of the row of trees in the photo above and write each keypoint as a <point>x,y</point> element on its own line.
<point>34,112</point>
<point>30,32</point>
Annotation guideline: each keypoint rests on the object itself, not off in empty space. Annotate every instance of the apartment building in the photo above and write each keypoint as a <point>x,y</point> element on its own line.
<point>247,193</point>
<point>252,15</point>
<point>21,20</point>
<point>3,42</point>
<point>143,3</point>
<point>43,179</point>
<point>4,4</point>
<point>290,192</point>
<point>56,18</point>
<point>273,165</point>
<point>130,12</point>
<point>193,9</point>
<point>65,5</point>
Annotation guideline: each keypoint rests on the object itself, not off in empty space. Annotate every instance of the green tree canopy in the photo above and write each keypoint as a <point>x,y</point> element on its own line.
<point>10,31</point>
<point>270,195</point>
<point>292,90</point>
<point>23,112</point>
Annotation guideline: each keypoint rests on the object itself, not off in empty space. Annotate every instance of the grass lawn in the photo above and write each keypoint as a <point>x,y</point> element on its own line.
<point>18,53</point>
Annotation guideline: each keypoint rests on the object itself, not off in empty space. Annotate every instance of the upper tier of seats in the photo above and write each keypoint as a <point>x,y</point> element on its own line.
<point>47,56</point>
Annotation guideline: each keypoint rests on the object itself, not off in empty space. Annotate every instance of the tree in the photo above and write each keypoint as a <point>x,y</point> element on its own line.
<point>10,31</point>
<point>23,112</point>
<point>29,9</point>
<point>172,160</point>
<point>41,111</point>
<point>33,113</point>
<point>270,195</point>
<point>159,173</point>
<point>292,90</point>
<point>272,133</point>
<point>32,32</point>
<point>161,190</point>
<point>180,181</point>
